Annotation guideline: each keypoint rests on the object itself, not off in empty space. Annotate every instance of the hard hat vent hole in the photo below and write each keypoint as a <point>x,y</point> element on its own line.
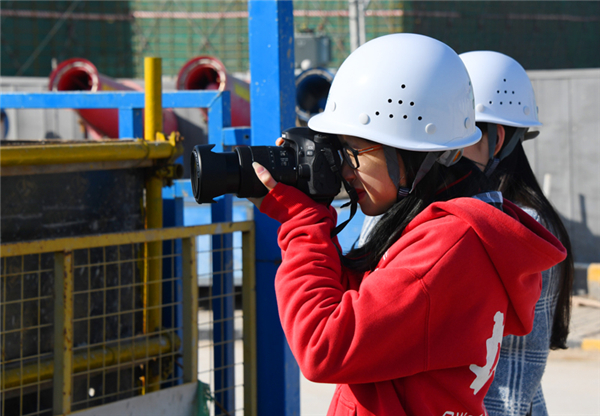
<point>391,116</point>
<point>510,102</point>
<point>400,102</point>
<point>490,102</point>
<point>519,102</point>
<point>405,117</point>
<point>376,113</point>
<point>513,92</point>
<point>500,102</point>
<point>504,79</point>
<point>419,118</point>
<point>412,104</point>
<point>498,91</point>
<point>389,100</point>
<point>403,86</point>
<point>505,91</point>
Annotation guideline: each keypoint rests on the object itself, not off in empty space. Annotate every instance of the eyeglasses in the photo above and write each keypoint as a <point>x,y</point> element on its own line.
<point>350,155</point>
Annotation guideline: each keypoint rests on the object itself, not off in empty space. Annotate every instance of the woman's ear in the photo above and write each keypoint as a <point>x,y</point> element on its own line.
<point>500,135</point>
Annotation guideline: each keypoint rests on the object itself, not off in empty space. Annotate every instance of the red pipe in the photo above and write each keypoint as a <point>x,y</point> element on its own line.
<point>78,74</point>
<point>209,73</point>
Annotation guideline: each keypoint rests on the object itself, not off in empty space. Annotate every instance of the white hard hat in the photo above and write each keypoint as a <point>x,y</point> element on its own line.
<point>503,91</point>
<point>403,90</point>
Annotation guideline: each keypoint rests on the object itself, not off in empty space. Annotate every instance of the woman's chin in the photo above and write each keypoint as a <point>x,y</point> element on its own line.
<point>368,209</point>
<point>371,209</point>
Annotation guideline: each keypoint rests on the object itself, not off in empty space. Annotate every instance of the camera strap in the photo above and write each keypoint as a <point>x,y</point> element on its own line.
<point>334,165</point>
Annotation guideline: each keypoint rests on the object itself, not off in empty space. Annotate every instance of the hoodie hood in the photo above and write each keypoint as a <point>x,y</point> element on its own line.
<point>517,245</point>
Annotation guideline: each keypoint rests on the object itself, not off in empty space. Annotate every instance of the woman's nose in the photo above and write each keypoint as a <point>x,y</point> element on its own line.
<point>348,173</point>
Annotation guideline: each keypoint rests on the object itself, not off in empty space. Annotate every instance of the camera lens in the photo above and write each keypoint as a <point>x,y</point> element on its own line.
<point>194,172</point>
<point>213,174</point>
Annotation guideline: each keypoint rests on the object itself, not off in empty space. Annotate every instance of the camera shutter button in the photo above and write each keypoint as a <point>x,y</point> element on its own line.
<point>304,171</point>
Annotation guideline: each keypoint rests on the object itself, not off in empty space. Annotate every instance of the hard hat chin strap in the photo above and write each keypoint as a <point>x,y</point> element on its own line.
<point>517,137</point>
<point>391,159</point>
<point>425,167</point>
<point>492,131</point>
<point>335,166</point>
<point>446,158</point>
<point>507,148</point>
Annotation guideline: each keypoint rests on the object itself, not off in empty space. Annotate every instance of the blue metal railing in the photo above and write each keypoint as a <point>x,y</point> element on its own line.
<point>130,105</point>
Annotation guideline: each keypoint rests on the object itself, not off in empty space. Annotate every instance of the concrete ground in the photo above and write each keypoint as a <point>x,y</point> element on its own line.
<point>571,382</point>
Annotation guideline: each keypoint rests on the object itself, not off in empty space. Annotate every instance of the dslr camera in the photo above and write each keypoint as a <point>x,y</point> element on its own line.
<point>307,160</point>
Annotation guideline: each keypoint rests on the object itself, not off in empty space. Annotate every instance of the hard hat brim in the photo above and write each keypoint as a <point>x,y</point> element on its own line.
<point>323,124</point>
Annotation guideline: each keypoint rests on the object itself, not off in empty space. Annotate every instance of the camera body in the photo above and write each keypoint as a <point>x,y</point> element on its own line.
<point>307,160</point>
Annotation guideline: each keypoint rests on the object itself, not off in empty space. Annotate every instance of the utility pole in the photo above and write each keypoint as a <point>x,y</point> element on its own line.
<point>356,14</point>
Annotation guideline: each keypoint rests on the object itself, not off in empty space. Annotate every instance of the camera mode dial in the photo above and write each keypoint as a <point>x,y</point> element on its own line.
<point>304,171</point>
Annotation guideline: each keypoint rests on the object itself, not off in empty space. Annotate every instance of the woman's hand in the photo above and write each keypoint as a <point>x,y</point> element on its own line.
<point>265,177</point>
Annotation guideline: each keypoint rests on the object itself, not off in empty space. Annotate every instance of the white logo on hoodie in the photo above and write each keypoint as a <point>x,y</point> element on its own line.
<point>493,348</point>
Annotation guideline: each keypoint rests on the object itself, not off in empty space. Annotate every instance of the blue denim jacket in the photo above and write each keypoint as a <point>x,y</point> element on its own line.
<point>517,383</point>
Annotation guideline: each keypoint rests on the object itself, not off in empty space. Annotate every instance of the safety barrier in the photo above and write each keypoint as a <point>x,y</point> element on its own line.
<point>74,321</point>
<point>75,157</point>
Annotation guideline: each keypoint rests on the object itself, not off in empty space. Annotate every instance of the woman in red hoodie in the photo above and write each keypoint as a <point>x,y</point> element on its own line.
<point>411,322</point>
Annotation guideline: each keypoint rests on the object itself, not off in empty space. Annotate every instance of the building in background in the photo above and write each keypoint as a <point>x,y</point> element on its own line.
<point>116,35</point>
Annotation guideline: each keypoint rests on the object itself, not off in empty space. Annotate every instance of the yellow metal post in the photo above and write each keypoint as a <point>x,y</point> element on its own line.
<point>154,208</point>
<point>153,97</point>
<point>63,333</point>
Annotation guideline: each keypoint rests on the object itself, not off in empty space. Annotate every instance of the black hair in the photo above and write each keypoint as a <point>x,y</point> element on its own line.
<point>517,182</point>
<point>441,183</point>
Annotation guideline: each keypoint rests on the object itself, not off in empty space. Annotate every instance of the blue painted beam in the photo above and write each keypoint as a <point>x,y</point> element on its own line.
<point>129,103</point>
<point>235,136</point>
<point>181,188</point>
<point>192,99</point>
<point>72,100</point>
<point>129,99</point>
<point>272,96</point>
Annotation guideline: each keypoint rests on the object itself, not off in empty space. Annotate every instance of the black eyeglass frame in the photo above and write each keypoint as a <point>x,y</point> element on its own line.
<point>350,155</point>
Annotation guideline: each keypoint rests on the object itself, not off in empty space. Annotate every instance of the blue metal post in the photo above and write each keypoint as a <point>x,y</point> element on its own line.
<point>223,290</point>
<point>130,123</point>
<point>272,97</point>
<point>172,316</point>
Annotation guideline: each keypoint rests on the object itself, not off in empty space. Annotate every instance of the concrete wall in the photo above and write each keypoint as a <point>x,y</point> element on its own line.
<point>566,155</point>
<point>37,124</point>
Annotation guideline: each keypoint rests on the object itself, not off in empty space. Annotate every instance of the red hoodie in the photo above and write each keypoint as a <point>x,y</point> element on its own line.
<point>420,335</point>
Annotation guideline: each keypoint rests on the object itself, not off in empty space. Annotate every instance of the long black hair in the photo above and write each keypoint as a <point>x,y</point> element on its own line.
<point>439,184</point>
<point>517,182</point>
